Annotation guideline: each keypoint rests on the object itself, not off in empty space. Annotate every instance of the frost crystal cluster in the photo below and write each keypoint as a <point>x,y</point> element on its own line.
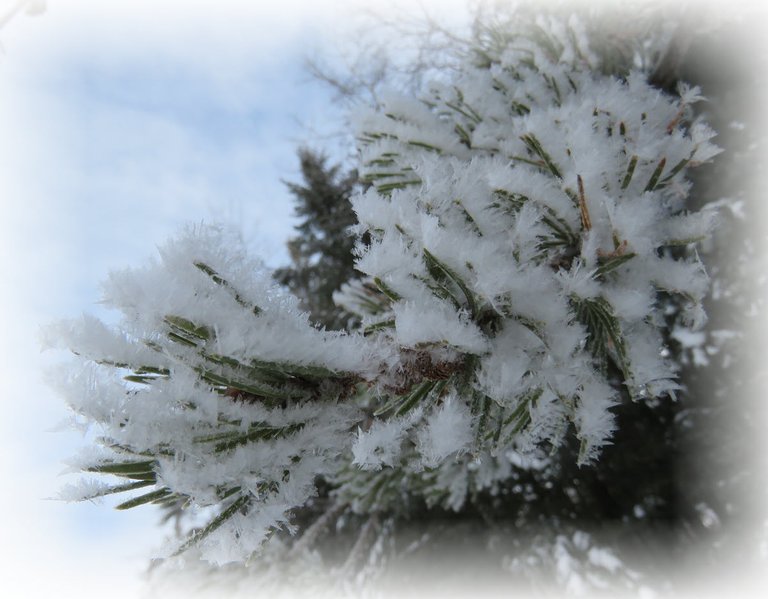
<point>525,220</point>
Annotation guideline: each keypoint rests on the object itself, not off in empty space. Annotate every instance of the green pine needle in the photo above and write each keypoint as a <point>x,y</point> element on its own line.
<point>426,146</point>
<point>387,290</point>
<point>402,404</point>
<point>187,327</point>
<point>241,503</point>
<point>139,484</point>
<point>136,470</point>
<point>605,341</point>
<point>378,326</point>
<point>142,499</point>
<point>389,187</point>
<point>219,280</point>
<point>442,273</point>
<point>229,440</point>
<point>533,144</point>
<point>630,172</point>
<point>610,263</point>
<point>656,174</point>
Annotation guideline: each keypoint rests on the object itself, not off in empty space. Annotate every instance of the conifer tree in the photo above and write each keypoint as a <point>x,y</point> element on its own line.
<point>531,246</point>
<point>322,250</point>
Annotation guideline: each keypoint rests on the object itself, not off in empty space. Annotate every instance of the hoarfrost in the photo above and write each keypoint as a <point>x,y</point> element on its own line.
<point>520,218</point>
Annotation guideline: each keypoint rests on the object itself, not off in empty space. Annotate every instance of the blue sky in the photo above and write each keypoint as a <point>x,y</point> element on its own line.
<point>121,122</point>
<point>123,127</point>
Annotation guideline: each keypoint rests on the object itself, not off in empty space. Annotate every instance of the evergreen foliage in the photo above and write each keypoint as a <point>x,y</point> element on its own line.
<point>528,247</point>
<point>321,253</point>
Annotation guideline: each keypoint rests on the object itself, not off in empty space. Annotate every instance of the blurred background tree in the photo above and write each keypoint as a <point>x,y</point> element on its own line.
<point>321,252</point>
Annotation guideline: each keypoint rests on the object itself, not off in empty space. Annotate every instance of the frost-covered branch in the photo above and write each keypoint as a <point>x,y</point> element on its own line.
<point>526,219</point>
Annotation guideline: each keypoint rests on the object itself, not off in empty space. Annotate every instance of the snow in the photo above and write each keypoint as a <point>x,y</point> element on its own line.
<point>448,431</point>
<point>380,445</point>
<point>520,250</point>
